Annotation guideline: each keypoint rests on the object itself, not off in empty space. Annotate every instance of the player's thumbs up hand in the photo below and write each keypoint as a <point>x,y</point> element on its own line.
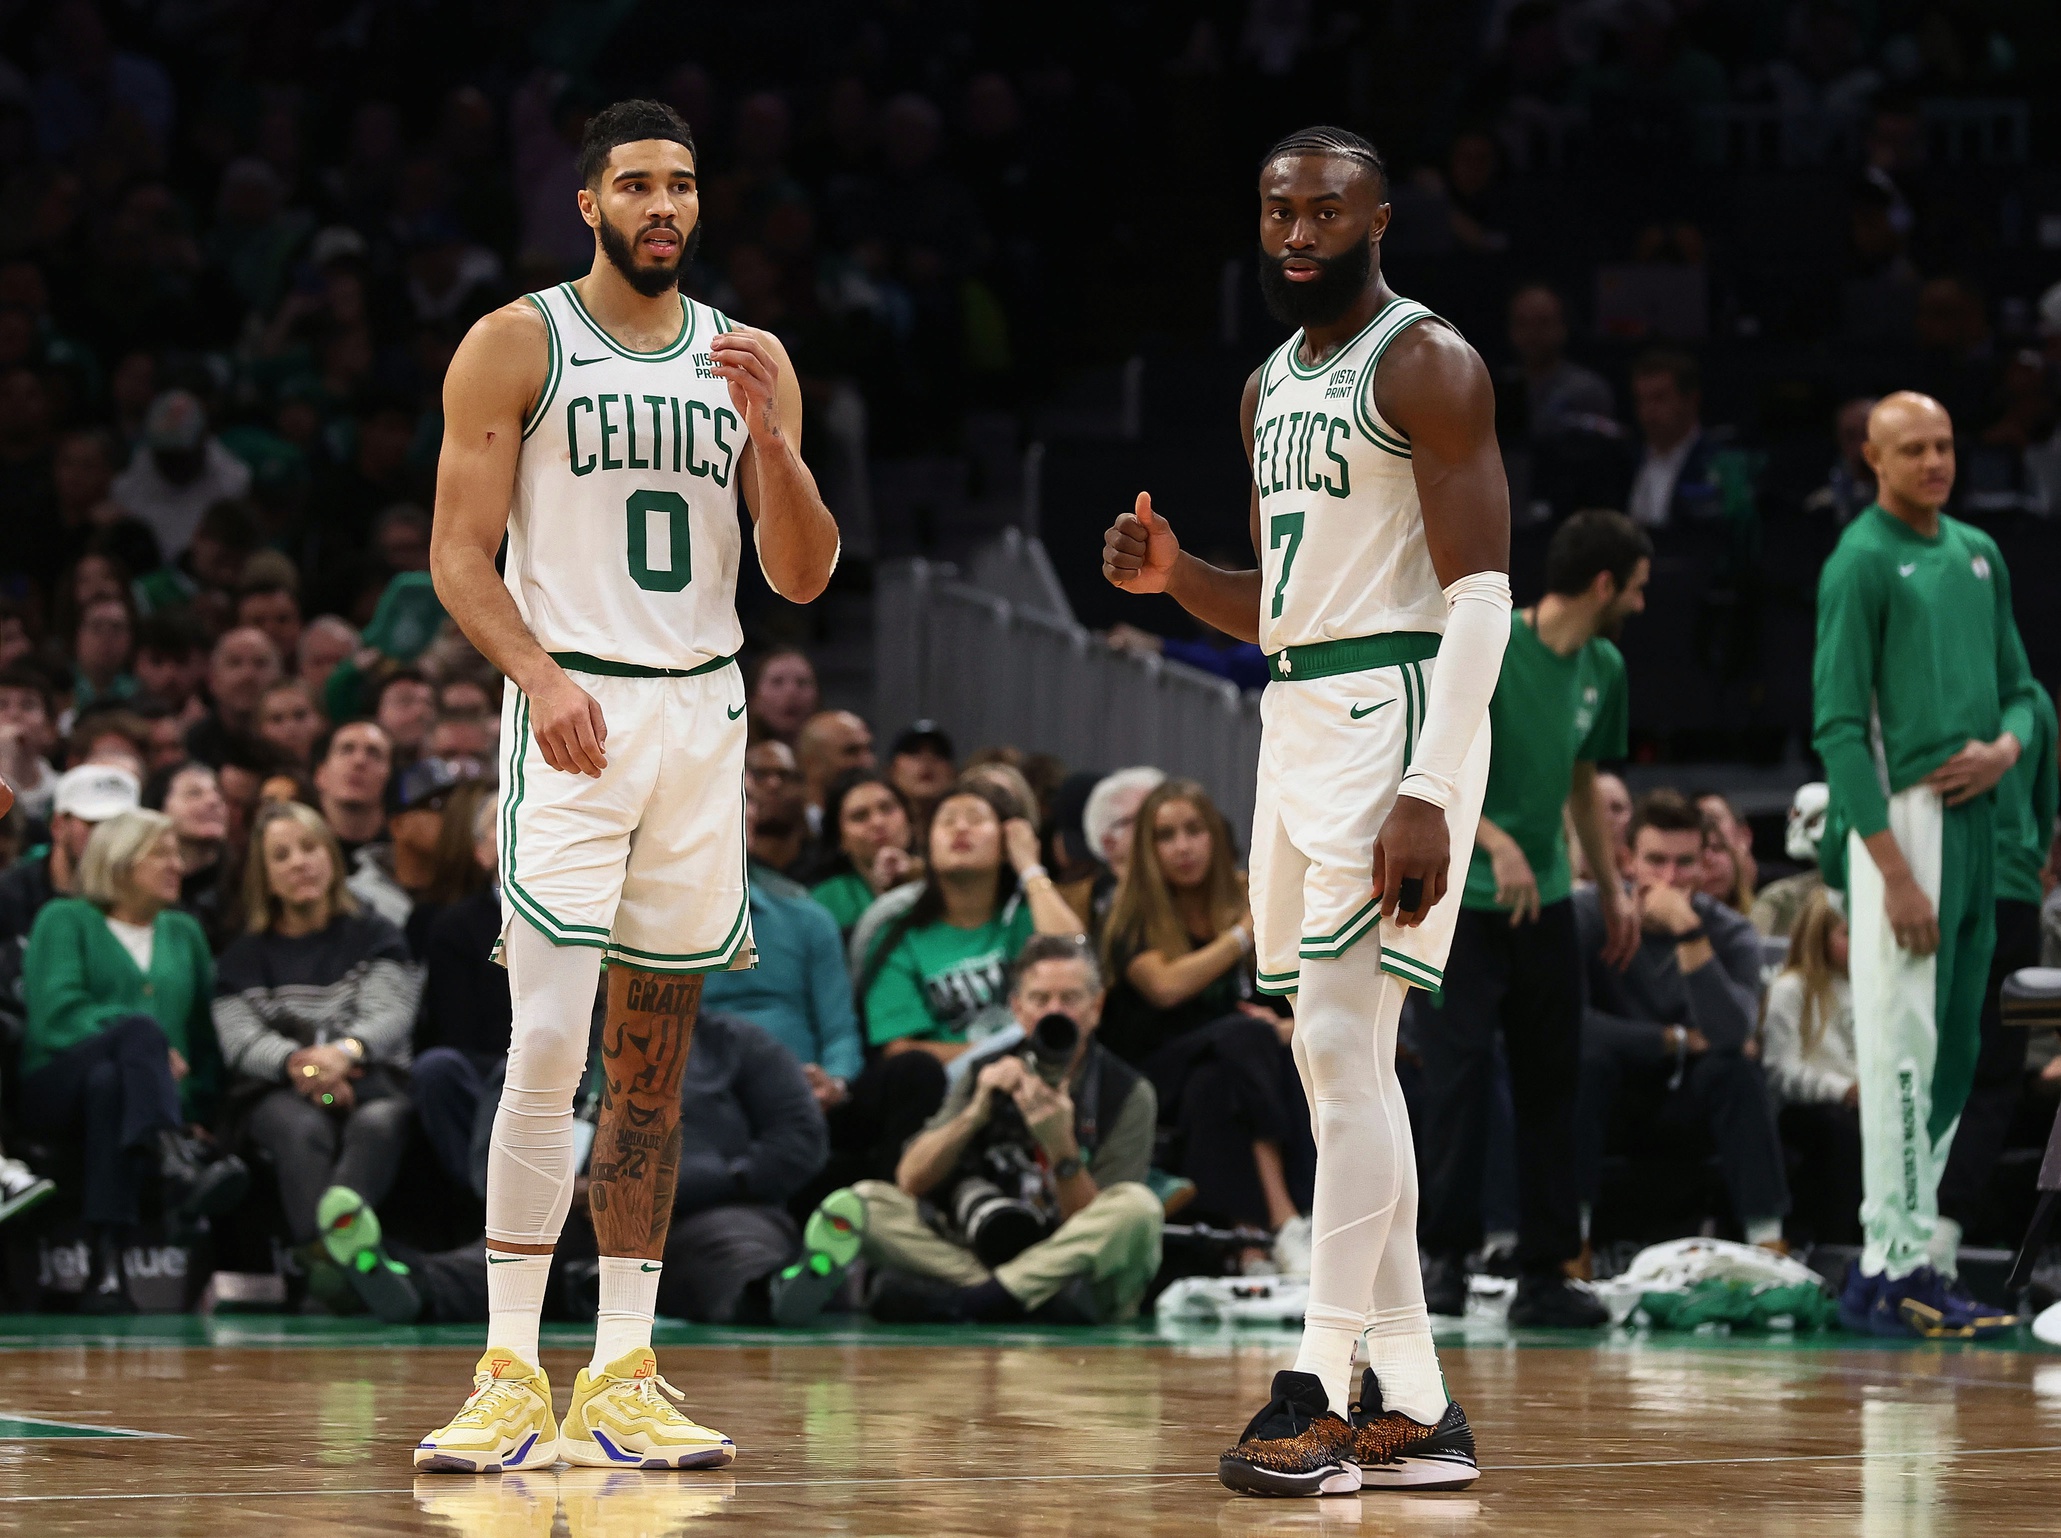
<point>1139,550</point>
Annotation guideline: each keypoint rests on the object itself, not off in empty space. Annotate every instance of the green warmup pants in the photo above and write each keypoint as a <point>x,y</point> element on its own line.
<point>1917,1019</point>
<point>1113,1242</point>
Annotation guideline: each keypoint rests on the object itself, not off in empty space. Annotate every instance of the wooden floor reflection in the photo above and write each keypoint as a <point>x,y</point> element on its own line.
<point>1045,1440</point>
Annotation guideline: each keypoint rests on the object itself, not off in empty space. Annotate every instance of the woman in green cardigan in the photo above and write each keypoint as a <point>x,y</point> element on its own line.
<point>120,1046</point>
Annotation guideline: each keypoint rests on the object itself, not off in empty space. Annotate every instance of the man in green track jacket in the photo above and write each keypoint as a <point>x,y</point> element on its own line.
<point>1924,701</point>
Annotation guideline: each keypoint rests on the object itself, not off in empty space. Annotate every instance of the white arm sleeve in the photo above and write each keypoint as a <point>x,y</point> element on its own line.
<point>1469,659</point>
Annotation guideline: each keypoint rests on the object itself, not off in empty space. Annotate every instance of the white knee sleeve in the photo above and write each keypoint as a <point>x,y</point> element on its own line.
<point>530,1160</point>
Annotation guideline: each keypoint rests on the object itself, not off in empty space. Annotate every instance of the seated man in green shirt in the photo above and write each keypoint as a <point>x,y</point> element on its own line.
<point>1559,708</point>
<point>1070,1135</point>
<point>1923,702</point>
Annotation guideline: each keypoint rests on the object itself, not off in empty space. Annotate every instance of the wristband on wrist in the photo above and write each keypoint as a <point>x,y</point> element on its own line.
<point>1691,936</point>
<point>1032,873</point>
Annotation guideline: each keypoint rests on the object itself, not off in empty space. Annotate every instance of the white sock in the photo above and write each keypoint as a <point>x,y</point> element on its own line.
<point>1943,1251</point>
<point>1762,1230</point>
<point>1347,1014</point>
<point>1405,1362</point>
<point>515,1301</point>
<point>629,1301</point>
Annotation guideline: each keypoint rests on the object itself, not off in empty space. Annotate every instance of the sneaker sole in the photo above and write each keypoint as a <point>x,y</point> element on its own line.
<point>1250,1479</point>
<point>538,1453</point>
<point>32,1196</point>
<point>1420,1474</point>
<point>600,1453</point>
<point>836,1232</point>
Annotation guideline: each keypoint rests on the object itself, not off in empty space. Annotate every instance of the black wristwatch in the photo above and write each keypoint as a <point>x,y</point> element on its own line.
<point>1069,1167</point>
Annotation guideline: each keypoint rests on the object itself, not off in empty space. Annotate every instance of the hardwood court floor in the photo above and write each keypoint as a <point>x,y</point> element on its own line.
<point>282,1427</point>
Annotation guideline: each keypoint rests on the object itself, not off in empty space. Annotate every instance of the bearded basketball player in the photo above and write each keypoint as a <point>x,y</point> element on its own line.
<point>607,428</point>
<point>1381,519</point>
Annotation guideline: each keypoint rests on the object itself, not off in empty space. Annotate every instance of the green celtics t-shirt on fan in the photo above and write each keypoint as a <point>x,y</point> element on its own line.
<point>938,977</point>
<point>1548,712</point>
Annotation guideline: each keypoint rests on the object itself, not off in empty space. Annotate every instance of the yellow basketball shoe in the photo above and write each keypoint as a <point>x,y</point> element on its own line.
<point>506,1423</point>
<point>631,1418</point>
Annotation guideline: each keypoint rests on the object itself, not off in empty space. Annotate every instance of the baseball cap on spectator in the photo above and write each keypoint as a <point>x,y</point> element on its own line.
<point>176,422</point>
<point>96,792</point>
<point>920,735</point>
<point>426,782</point>
<point>408,617</point>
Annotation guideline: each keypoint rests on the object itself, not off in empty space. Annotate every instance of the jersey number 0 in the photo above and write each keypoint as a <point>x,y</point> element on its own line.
<point>677,568</point>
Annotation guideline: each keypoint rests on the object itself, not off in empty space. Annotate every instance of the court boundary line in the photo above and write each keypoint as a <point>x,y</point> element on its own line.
<point>1021,1479</point>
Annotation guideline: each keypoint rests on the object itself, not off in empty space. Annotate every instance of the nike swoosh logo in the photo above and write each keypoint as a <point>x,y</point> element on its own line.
<point>583,362</point>
<point>502,1260</point>
<point>733,714</point>
<point>1905,571</point>
<point>647,1267</point>
<point>1370,709</point>
<point>1275,386</point>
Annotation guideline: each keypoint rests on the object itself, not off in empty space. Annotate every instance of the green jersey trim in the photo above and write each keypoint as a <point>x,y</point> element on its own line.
<point>1279,986</point>
<point>671,350</point>
<point>1344,938</point>
<point>580,662</point>
<point>1411,970</point>
<point>717,960</point>
<point>1387,439</point>
<point>554,370</point>
<point>1352,654</point>
<point>1331,358</point>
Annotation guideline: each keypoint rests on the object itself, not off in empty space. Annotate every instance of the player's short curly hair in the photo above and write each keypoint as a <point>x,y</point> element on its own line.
<point>627,122</point>
<point>1323,139</point>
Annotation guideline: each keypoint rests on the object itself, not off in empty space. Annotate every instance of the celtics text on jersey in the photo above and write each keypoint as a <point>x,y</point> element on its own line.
<point>1342,550</point>
<point>623,537</point>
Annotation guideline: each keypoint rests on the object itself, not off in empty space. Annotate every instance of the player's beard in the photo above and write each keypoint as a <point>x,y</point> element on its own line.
<point>1320,300</point>
<point>648,279</point>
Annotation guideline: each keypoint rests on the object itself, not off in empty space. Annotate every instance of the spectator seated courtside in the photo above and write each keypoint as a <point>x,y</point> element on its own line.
<point>120,1051</point>
<point>314,1006</point>
<point>1807,1049</point>
<point>1024,1195</point>
<point>1181,1009</point>
<point>1664,1060</point>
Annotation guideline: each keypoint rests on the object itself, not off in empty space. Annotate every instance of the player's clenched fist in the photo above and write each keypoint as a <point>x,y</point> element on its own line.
<point>1139,550</point>
<point>1411,854</point>
<point>569,728</point>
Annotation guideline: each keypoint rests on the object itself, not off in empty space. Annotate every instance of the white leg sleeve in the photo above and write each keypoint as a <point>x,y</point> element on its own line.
<point>1346,1017</point>
<point>530,1162</point>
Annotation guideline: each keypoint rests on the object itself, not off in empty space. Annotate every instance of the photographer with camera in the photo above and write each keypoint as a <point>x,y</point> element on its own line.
<point>1023,1196</point>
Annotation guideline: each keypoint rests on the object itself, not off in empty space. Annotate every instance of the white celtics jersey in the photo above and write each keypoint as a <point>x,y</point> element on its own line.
<point>623,538</point>
<point>1341,533</point>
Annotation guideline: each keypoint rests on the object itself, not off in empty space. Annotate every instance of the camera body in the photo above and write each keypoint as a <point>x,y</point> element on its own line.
<point>1000,1201</point>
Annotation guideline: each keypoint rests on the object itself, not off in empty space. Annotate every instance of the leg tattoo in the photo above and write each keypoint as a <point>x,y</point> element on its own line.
<point>636,1159</point>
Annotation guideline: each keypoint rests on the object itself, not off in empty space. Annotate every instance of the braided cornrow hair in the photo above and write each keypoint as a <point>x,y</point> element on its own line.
<point>1322,139</point>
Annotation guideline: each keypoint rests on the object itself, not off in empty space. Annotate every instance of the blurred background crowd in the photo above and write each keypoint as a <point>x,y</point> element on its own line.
<point>238,244</point>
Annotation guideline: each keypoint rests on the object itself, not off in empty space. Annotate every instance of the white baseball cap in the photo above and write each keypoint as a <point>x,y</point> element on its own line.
<point>96,792</point>
<point>1807,821</point>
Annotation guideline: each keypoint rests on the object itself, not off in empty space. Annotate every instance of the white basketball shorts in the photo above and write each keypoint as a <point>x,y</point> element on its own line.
<point>1332,752</point>
<point>645,863</point>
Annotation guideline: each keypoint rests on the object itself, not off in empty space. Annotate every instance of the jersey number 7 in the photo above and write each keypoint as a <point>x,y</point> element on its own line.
<point>1286,526</point>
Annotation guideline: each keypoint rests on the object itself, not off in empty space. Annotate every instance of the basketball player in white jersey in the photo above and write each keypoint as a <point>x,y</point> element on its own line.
<point>1382,522</point>
<point>608,427</point>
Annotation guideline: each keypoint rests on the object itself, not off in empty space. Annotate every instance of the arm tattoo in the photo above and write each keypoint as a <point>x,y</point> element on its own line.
<point>636,1159</point>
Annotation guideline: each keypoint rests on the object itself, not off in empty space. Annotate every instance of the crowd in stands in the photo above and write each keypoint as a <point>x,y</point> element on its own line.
<point>248,894</point>
<point>265,1001</point>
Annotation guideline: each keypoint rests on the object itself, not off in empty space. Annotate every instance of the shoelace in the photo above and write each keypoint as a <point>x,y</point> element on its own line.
<point>651,1392</point>
<point>487,1395</point>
